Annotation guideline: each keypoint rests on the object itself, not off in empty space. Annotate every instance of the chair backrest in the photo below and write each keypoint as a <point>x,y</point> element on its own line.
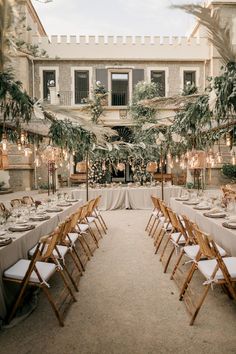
<point>91,204</point>
<point>204,243</point>
<point>189,229</point>
<point>49,243</point>
<point>16,203</point>
<point>28,200</point>
<point>163,208</point>
<point>84,212</point>
<point>2,207</point>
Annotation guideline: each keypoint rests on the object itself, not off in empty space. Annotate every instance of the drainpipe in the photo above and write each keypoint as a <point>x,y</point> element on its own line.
<point>33,91</point>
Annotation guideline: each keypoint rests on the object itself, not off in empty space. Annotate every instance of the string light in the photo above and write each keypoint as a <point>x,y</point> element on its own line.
<point>19,147</point>
<point>228,139</point>
<point>4,142</point>
<point>22,138</point>
<point>233,158</point>
<point>27,151</point>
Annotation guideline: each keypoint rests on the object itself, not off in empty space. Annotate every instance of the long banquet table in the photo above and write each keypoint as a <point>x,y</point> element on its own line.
<point>127,197</point>
<point>22,242</point>
<point>223,236</point>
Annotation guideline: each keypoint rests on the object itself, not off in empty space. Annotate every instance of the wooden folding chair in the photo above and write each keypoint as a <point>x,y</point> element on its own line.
<point>90,218</point>
<point>97,214</point>
<point>177,237</point>
<point>191,248</point>
<point>28,200</point>
<point>16,203</point>
<point>74,235</point>
<point>215,269</point>
<point>156,214</point>
<point>165,227</point>
<point>37,272</point>
<point>83,225</point>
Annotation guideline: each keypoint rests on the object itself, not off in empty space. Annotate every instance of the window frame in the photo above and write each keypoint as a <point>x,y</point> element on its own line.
<point>48,68</point>
<point>90,82</point>
<point>189,68</point>
<point>130,80</point>
<point>160,68</point>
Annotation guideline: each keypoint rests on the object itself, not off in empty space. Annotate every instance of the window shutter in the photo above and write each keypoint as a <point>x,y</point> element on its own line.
<point>101,75</point>
<point>138,75</point>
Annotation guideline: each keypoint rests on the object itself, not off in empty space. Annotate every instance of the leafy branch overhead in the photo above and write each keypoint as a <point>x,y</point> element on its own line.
<point>219,35</point>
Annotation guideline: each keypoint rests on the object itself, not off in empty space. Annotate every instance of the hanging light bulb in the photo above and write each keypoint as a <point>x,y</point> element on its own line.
<point>37,161</point>
<point>228,139</point>
<point>177,159</point>
<point>4,142</point>
<point>19,147</point>
<point>73,152</point>
<point>169,155</point>
<point>219,158</point>
<point>22,138</point>
<point>27,151</point>
<point>234,159</point>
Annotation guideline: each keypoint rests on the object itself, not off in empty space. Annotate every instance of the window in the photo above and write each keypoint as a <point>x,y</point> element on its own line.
<point>49,80</point>
<point>189,78</point>
<point>159,78</point>
<point>120,89</point>
<point>81,86</point>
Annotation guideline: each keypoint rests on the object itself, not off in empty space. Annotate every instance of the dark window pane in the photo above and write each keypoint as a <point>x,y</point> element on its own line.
<point>81,86</point>
<point>159,78</point>
<point>49,79</point>
<point>189,77</point>
<point>120,89</point>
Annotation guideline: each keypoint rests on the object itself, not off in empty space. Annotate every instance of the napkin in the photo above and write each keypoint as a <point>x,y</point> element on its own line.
<point>215,211</point>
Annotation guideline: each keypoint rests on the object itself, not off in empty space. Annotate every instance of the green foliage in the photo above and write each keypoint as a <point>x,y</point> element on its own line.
<point>15,104</point>
<point>189,89</point>
<point>229,171</point>
<point>225,88</point>
<point>96,106</point>
<point>142,91</point>
<point>65,134</point>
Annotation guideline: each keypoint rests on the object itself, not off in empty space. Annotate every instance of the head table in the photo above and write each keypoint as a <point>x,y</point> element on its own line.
<point>22,242</point>
<point>127,197</point>
<point>226,238</point>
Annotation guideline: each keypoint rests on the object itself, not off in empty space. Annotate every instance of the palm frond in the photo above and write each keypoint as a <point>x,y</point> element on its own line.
<point>219,35</point>
<point>101,133</point>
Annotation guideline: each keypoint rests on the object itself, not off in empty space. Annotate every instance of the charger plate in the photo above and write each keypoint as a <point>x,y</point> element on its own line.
<point>229,225</point>
<point>215,215</point>
<point>21,228</point>
<point>5,241</point>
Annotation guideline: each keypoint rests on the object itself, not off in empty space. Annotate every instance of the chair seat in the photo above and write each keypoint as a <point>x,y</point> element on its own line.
<point>207,267</point>
<point>90,219</point>
<point>73,237</point>
<point>19,269</point>
<point>167,226</point>
<point>175,236</point>
<point>191,251</point>
<point>62,250</point>
<point>83,227</point>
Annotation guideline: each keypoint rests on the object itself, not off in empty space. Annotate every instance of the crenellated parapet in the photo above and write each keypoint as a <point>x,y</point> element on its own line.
<point>125,47</point>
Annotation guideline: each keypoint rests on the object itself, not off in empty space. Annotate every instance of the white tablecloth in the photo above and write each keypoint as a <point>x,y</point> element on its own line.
<point>24,241</point>
<point>127,197</point>
<point>223,236</point>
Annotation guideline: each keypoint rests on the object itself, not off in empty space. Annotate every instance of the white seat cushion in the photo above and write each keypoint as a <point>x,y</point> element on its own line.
<point>191,251</point>
<point>222,252</point>
<point>73,237</point>
<point>62,250</point>
<point>19,269</point>
<point>90,219</point>
<point>175,236</point>
<point>207,267</point>
<point>167,226</point>
<point>83,227</point>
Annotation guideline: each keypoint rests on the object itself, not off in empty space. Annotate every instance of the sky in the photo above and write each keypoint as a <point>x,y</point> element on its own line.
<point>114,17</point>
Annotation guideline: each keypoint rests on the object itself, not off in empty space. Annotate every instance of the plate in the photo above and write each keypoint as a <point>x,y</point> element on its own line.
<point>202,207</point>
<point>72,200</point>
<point>5,241</point>
<point>183,199</point>
<point>40,218</point>
<point>191,203</point>
<point>54,210</point>
<point>20,228</point>
<point>215,215</point>
<point>64,204</point>
<point>229,225</point>
<point>2,232</point>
